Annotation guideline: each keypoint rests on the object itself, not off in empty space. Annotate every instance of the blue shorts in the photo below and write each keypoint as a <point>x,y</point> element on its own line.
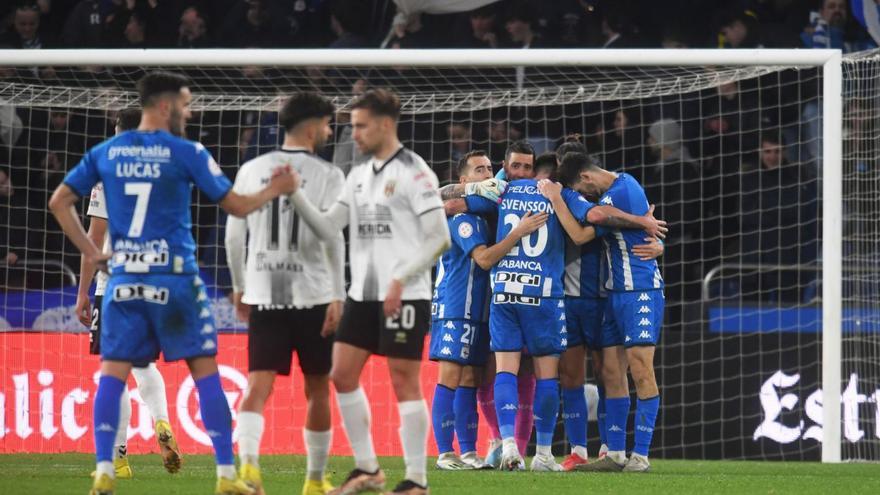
<point>460,341</point>
<point>534,323</point>
<point>583,317</point>
<point>633,318</point>
<point>147,313</point>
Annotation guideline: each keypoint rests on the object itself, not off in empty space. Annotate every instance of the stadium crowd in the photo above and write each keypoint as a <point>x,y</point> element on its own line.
<point>734,168</point>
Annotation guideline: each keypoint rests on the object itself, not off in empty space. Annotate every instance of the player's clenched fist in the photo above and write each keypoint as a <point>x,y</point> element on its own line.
<point>491,189</point>
<point>285,180</point>
<point>549,189</point>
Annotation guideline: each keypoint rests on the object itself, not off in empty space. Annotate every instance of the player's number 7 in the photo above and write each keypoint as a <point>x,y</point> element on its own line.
<point>142,191</point>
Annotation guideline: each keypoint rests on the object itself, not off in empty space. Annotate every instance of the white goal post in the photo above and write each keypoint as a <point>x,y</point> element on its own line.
<point>831,178</point>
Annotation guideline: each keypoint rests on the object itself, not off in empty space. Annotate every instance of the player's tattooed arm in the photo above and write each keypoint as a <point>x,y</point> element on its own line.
<point>487,257</point>
<point>611,217</point>
<point>580,234</point>
<point>452,191</point>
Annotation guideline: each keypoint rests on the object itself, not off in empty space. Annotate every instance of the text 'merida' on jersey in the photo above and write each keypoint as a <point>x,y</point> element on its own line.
<point>147,178</point>
<point>385,201</point>
<point>535,266</point>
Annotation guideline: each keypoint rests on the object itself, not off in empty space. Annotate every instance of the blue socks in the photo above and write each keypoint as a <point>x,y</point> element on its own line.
<point>443,417</point>
<point>216,417</point>
<point>106,416</point>
<point>574,414</point>
<point>506,403</point>
<point>600,414</point>
<point>617,413</point>
<point>466,419</point>
<point>546,409</point>
<point>646,416</point>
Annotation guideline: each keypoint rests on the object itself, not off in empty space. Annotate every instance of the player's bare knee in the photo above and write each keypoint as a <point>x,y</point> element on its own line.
<point>317,387</point>
<point>343,380</point>
<point>470,376</point>
<point>450,374</point>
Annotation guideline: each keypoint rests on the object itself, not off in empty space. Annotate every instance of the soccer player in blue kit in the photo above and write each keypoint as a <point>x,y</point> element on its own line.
<point>155,300</point>
<point>460,333</point>
<point>528,309</point>
<point>633,316</point>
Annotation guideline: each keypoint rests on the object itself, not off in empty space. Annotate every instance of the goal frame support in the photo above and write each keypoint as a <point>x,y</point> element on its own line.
<point>829,61</point>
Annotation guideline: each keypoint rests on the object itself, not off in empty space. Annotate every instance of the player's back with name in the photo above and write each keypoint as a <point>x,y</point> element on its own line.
<point>534,267</point>
<point>147,179</point>
<point>286,259</point>
<point>627,272</point>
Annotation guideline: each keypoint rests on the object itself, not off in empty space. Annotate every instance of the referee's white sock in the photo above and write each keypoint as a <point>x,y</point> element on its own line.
<point>356,417</point>
<point>414,437</point>
<point>120,449</point>
<point>248,434</point>
<point>151,387</point>
<point>317,450</point>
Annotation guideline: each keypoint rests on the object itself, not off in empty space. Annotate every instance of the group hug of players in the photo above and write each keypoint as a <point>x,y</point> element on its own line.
<point>569,267</point>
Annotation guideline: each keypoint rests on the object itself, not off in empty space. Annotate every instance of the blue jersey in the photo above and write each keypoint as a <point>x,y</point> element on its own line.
<point>586,269</point>
<point>626,271</point>
<point>534,267</point>
<point>462,287</point>
<point>148,177</point>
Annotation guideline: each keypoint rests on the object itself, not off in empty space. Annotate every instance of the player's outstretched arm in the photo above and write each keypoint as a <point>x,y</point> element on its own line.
<point>283,182</point>
<point>97,231</point>
<point>61,204</point>
<point>487,257</point>
<point>326,225</point>
<point>579,234</point>
<point>611,217</point>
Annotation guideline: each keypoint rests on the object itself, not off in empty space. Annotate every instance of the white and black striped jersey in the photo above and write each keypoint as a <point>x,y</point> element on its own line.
<point>385,200</point>
<point>98,209</point>
<point>286,263</point>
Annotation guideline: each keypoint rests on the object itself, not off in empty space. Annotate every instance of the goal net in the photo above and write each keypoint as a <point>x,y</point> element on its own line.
<point>730,149</point>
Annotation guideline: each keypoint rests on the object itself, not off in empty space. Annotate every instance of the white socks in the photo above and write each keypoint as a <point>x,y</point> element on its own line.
<point>413,437</point>
<point>356,417</point>
<point>226,471</point>
<point>151,387</point>
<point>544,450</point>
<point>248,434</point>
<point>317,450</point>
<point>105,467</point>
<point>580,451</point>
<point>124,419</point>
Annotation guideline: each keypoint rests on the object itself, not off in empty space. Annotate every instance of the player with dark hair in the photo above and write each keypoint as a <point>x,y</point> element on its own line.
<point>156,301</point>
<point>460,333</point>
<point>633,314</point>
<point>398,230</point>
<point>545,166</point>
<point>150,384</point>
<point>290,289</point>
<point>528,309</point>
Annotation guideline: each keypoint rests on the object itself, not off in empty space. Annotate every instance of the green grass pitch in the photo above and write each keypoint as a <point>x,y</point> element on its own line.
<point>69,474</point>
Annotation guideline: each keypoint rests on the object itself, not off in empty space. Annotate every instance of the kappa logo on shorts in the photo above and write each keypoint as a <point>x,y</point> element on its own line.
<point>644,322</point>
<point>644,309</point>
<point>560,304</point>
<point>563,329</point>
<point>449,324</point>
<point>644,297</point>
<point>445,352</point>
<point>209,345</point>
<point>564,342</point>
<point>205,313</point>
<point>207,329</point>
<point>448,338</point>
<point>644,335</point>
<point>627,339</point>
<point>562,317</point>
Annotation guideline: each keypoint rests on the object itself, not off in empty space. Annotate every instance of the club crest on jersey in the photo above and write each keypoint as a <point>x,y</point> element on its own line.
<point>389,188</point>
<point>465,230</point>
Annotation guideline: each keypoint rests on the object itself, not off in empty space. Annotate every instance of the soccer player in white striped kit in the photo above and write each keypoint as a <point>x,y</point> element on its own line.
<point>291,287</point>
<point>398,230</point>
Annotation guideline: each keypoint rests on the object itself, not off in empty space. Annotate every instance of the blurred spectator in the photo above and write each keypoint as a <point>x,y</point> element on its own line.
<point>10,126</point>
<point>672,184</point>
<point>502,132</point>
<point>622,138</point>
<point>249,24</point>
<point>349,20</point>
<point>521,26</point>
<point>135,32</point>
<point>739,29</point>
<point>483,29</point>
<point>829,28</point>
<point>26,32</point>
<point>193,29</point>
<point>84,27</point>
<point>673,37</point>
<point>775,229</point>
<point>617,30</point>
